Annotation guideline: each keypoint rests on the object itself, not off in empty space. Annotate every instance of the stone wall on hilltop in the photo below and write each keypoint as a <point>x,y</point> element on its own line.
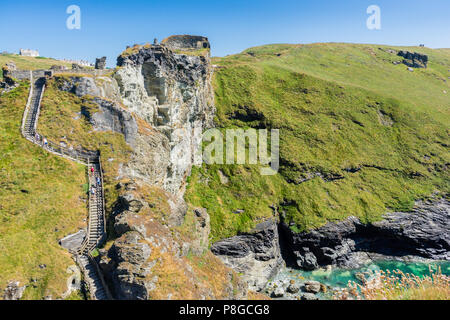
<point>180,42</point>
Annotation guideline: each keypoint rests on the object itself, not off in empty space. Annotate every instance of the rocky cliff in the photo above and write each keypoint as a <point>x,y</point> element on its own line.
<point>161,247</point>
<point>172,93</point>
<point>423,233</point>
<point>160,102</point>
<point>151,259</point>
<point>408,236</point>
<point>256,255</point>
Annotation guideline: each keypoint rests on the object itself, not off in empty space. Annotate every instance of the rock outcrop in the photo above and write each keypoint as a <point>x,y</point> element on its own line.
<point>73,241</point>
<point>100,63</point>
<point>160,102</point>
<point>150,148</point>
<point>148,253</point>
<point>104,87</point>
<point>425,232</point>
<point>172,93</point>
<point>256,255</point>
<point>112,117</point>
<point>414,60</point>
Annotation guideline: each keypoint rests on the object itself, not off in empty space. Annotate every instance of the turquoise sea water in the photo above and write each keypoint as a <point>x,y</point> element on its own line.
<point>339,278</point>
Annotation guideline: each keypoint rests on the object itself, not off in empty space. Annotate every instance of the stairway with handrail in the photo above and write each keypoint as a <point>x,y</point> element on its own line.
<point>96,233</point>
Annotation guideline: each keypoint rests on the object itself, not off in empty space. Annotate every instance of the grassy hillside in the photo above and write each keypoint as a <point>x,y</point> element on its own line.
<point>30,63</point>
<point>42,199</point>
<point>358,134</point>
<point>61,120</point>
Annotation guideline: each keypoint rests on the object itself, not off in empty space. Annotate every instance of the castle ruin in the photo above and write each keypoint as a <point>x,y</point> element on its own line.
<point>183,42</point>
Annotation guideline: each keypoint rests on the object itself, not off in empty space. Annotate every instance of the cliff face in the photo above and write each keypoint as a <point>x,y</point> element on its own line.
<point>152,260</point>
<point>160,102</point>
<point>173,94</point>
<point>423,233</point>
<point>256,255</point>
<point>160,245</point>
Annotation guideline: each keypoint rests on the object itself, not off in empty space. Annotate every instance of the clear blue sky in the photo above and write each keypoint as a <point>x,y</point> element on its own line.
<point>107,27</point>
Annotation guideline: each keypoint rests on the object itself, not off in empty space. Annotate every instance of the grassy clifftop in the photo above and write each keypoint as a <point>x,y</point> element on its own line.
<point>358,134</point>
<point>30,63</point>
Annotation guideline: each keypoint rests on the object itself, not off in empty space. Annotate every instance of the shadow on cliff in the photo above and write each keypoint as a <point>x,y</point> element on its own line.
<point>287,253</point>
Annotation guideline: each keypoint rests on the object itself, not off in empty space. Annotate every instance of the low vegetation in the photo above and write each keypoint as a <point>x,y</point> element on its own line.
<point>358,135</point>
<point>398,286</point>
<point>134,49</point>
<point>194,52</point>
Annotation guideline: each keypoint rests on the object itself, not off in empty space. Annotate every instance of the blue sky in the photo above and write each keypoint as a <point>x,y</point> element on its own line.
<point>107,27</point>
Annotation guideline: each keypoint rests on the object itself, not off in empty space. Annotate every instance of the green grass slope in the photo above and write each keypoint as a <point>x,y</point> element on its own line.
<point>358,134</point>
<point>41,200</point>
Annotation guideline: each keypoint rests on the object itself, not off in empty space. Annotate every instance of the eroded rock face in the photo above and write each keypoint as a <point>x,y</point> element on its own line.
<point>160,102</point>
<point>103,87</point>
<point>425,232</point>
<point>113,118</point>
<point>100,63</point>
<point>256,255</point>
<point>147,251</point>
<point>150,154</point>
<point>172,93</point>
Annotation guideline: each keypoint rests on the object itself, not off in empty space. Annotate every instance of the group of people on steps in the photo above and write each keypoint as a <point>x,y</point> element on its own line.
<point>96,184</point>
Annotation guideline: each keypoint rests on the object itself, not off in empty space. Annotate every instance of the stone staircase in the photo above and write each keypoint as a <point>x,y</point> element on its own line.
<point>94,282</point>
<point>96,233</point>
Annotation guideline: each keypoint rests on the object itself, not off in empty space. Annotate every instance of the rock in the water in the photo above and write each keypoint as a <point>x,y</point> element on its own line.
<point>307,260</point>
<point>312,286</point>
<point>293,288</point>
<point>309,296</point>
<point>278,292</point>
